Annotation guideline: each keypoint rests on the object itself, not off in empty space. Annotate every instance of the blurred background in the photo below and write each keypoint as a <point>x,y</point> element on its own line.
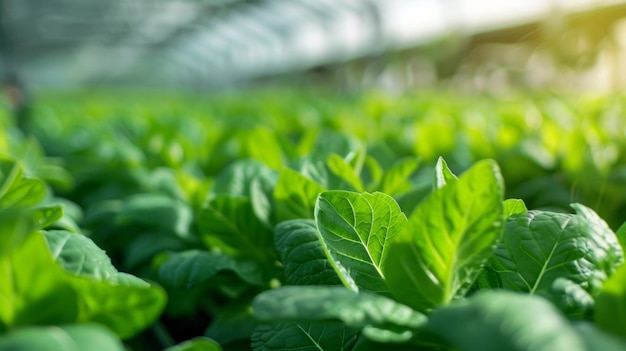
<point>396,45</point>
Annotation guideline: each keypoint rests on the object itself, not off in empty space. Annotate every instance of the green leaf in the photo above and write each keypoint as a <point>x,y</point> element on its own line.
<point>302,254</point>
<point>17,190</point>
<point>323,303</point>
<point>295,195</point>
<point>47,215</point>
<point>237,179</point>
<point>303,336</point>
<point>126,307</point>
<point>34,289</point>
<point>15,227</point>
<point>500,320</point>
<point>344,170</point>
<point>595,339</point>
<point>514,206</point>
<point>396,180</point>
<point>156,211</point>
<point>230,224</point>
<point>270,153</point>
<point>355,229</point>
<point>196,344</point>
<point>79,255</point>
<point>440,251</point>
<point>539,247</point>
<point>188,269</point>
<point>232,323</point>
<point>610,308</point>
<point>64,337</point>
<point>443,174</point>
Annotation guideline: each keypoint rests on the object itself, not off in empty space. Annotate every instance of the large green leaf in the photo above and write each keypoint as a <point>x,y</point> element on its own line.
<point>304,336</point>
<point>188,269</point>
<point>302,254</point>
<point>323,303</point>
<point>230,224</point>
<point>500,320</point>
<point>295,195</point>
<point>539,247</point>
<point>72,337</point>
<point>36,290</point>
<point>440,251</point>
<point>355,229</point>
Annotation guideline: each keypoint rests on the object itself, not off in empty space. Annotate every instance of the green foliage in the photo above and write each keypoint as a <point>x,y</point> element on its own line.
<point>449,236</point>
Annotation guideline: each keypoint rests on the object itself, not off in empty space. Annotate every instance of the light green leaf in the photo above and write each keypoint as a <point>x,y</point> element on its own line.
<point>302,254</point>
<point>34,289</point>
<point>79,255</point>
<point>262,144</point>
<point>539,247</point>
<point>64,337</point>
<point>610,308</point>
<point>47,215</point>
<point>499,320</point>
<point>324,303</point>
<point>355,229</point>
<point>514,206</point>
<point>230,224</point>
<point>395,180</point>
<point>443,174</point>
<point>344,170</point>
<point>196,344</point>
<point>126,307</point>
<point>440,251</point>
<point>295,195</point>
<point>304,336</point>
<point>17,190</point>
<point>188,269</point>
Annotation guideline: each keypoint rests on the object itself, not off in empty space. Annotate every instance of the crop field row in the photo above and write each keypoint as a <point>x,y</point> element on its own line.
<point>283,220</point>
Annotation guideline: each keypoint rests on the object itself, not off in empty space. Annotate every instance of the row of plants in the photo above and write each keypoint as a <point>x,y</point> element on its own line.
<point>296,223</point>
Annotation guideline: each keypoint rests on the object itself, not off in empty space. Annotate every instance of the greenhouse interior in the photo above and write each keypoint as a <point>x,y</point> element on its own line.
<point>314,175</point>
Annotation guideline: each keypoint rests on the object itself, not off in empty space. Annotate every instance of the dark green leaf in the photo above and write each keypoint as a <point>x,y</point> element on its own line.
<point>156,211</point>
<point>303,336</point>
<point>355,229</point>
<point>538,248</point>
<point>302,254</point>
<point>231,224</point>
<point>440,251</point>
<point>188,269</point>
<point>232,323</point>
